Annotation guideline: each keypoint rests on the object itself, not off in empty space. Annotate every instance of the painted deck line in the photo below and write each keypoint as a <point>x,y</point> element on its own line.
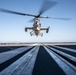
<point>26,61</point>
<point>71,65</point>
<point>45,65</point>
<point>61,62</point>
<point>64,54</point>
<point>29,68</point>
<point>68,49</point>
<point>8,55</point>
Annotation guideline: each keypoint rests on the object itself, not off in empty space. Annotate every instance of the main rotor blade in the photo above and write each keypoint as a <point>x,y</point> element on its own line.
<point>13,12</point>
<point>61,18</point>
<point>46,5</point>
<point>32,20</point>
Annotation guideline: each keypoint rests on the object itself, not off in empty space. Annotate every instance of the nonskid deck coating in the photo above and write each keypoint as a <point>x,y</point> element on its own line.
<point>43,64</point>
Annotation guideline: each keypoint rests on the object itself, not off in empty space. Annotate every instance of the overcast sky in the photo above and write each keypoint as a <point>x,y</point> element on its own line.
<point>12,26</point>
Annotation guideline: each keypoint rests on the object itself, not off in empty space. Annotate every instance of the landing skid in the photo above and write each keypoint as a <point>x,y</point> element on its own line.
<point>32,33</point>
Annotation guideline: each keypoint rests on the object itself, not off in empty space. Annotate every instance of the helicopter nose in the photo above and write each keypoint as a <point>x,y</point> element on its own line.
<point>38,28</point>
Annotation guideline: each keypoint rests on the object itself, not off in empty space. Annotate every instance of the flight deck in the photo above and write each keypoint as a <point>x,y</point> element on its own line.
<point>36,59</point>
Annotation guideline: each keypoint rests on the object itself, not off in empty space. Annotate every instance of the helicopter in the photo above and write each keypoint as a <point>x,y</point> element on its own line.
<point>36,28</point>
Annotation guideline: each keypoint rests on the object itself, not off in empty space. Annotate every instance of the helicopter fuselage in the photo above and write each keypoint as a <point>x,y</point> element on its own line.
<point>36,27</point>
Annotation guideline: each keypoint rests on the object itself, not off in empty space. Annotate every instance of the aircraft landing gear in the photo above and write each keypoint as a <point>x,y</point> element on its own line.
<point>30,33</point>
<point>41,34</point>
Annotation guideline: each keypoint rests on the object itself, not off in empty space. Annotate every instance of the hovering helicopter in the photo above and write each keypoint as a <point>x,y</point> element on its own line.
<point>36,28</point>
